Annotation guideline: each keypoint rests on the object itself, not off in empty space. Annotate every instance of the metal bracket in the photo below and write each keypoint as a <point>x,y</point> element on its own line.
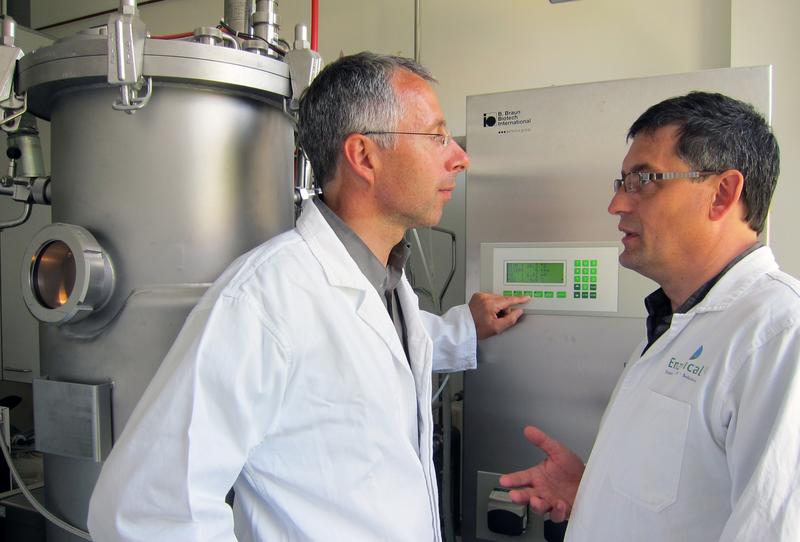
<point>126,38</point>
<point>301,194</point>
<point>12,105</point>
<point>13,109</point>
<point>304,64</point>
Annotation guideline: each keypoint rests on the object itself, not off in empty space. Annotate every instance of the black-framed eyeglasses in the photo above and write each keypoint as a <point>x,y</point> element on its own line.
<point>442,139</point>
<point>635,180</point>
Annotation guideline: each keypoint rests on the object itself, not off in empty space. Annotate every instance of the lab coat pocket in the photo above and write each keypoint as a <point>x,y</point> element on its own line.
<point>648,469</point>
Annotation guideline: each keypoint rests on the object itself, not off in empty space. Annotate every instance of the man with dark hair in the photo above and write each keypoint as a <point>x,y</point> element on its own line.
<point>700,439</point>
<point>302,379</point>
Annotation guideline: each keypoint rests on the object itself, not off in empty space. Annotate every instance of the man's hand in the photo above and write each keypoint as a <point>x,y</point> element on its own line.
<point>491,313</point>
<point>551,485</point>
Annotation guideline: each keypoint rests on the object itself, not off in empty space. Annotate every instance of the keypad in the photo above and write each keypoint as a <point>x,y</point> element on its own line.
<point>584,273</point>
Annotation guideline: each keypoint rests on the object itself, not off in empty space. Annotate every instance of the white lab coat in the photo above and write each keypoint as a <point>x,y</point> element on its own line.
<point>701,441</point>
<point>288,382</point>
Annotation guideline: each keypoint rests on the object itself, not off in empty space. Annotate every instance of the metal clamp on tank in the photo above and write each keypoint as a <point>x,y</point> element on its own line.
<point>66,274</point>
<point>304,65</point>
<point>126,36</point>
<point>12,105</point>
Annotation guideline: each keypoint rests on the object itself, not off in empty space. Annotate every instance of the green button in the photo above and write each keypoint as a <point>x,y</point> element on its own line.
<point>577,263</point>
<point>585,271</point>
<point>561,295</point>
<point>537,293</point>
<point>593,286</point>
<point>577,287</point>
<point>578,270</point>
<point>585,278</point>
<point>518,293</point>
<point>528,293</point>
<point>593,270</point>
<point>508,293</point>
<point>549,294</point>
<point>585,295</point>
<point>593,263</point>
<point>585,263</point>
<point>576,295</point>
<point>593,295</point>
<point>593,279</point>
<point>585,287</point>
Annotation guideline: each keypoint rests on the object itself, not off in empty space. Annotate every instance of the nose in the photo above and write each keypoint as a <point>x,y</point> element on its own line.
<point>621,202</point>
<point>458,160</point>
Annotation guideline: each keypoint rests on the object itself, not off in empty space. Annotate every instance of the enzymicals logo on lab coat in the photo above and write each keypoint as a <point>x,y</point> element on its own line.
<point>690,369</point>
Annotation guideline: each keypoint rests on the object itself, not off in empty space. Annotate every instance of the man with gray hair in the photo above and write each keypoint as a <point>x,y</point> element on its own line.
<point>303,377</point>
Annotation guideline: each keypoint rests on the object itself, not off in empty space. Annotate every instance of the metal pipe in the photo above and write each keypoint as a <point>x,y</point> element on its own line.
<point>314,25</point>
<point>9,31</point>
<point>22,219</point>
<point>417,30</point>
<point>238,15</point>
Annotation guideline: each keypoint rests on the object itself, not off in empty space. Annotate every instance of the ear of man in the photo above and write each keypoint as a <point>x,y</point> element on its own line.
<point>361,157</point>
<point>728,195</point>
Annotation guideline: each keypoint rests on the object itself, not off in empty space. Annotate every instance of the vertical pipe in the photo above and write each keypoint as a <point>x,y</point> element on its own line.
<point>9,31</point>
<point>238,15</point>
<point>417,30</point>
<point>447,465</point>
<point>314,24</point>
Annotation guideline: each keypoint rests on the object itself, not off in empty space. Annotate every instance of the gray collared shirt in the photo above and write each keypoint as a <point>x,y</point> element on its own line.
<point>383,279</point>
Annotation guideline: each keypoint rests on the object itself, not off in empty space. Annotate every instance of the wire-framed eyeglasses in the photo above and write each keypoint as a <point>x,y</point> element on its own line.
<point>442,139</point>
<point>635,180</point>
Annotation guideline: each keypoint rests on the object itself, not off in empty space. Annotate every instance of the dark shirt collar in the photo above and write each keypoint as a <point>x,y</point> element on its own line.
<point>382,278</point>
<point>659,306</point>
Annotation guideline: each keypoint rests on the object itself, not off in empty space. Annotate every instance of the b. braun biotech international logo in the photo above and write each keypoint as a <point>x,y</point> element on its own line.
<point>508,121</point>
<point>690,370</point>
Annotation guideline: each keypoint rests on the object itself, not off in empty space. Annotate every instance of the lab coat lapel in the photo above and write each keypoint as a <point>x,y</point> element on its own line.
<point>731,285</point>
<point>342,272</point>
<point>373,312</point>
<point>419,343</point>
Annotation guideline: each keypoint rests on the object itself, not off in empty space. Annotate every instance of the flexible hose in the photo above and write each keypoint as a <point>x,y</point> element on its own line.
<point>28,495</point>
<point>173,36</point>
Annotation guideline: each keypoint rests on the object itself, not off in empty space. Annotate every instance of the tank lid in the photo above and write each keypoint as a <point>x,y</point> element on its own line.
<point>83,60</point>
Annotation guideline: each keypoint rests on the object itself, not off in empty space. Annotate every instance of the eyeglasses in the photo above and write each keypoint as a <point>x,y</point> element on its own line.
<point>442,139</point>
<point>635,180</point>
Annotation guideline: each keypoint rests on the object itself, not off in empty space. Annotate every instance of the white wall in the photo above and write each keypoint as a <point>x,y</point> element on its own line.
<point>765,32</point>
<point>476,47</point>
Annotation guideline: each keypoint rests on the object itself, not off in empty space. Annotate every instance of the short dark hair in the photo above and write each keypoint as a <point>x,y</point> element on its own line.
<point>351,95</point>
<point>717,132</point>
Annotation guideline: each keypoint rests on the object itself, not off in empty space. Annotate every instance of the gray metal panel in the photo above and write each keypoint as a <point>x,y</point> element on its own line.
<point>72,419</point>
<point>549,180</point>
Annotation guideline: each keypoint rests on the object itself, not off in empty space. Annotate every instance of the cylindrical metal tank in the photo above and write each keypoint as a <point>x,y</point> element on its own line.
<point>172,194</point>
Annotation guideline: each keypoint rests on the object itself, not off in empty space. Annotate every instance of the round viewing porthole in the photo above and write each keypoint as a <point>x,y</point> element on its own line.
<point>66,275</point>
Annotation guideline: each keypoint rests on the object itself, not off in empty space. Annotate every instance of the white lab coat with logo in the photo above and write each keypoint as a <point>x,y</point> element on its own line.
<point>701,439</point>
<point>288,382</point>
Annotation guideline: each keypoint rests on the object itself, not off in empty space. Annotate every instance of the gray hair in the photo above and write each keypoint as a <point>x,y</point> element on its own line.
<point>350,96</point>
<point>716,133</point>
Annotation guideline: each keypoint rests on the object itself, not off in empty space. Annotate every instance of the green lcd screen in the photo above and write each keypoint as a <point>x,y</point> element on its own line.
<point>535,272</point>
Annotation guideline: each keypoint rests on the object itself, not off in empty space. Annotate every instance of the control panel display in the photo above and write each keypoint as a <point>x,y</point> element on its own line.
<point>558,277</point>
<point>535,272</point>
